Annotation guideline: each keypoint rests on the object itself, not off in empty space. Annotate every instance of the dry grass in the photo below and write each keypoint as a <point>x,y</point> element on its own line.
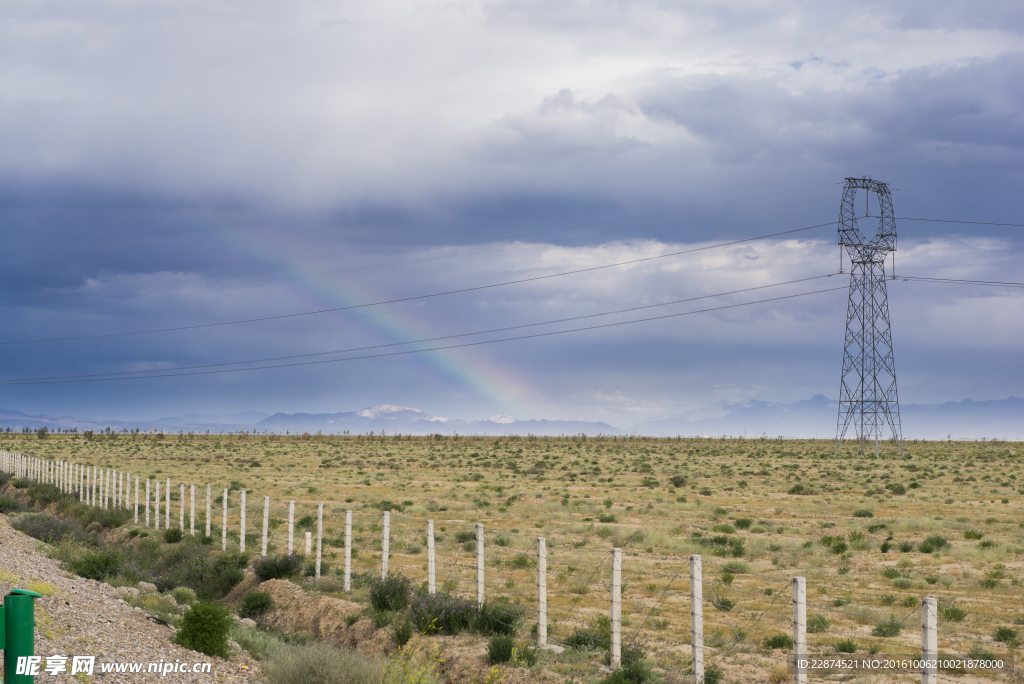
<point>558,488</point>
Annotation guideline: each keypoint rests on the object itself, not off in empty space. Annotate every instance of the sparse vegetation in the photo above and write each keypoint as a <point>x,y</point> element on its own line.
<point>760,511</point>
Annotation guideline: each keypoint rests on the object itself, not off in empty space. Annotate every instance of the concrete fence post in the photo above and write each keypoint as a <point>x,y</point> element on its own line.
<point>308,545</point>
<point>542,592</point>
<point>181,506</point>
<point>319,537</point>
<point>348,551</point>
<point>241,512</point>
<point>167,508</point>
<point>224,523</point>
<point>118,477</point>
<point>929,641</point>
<point>156,506</point>
<point>431,588</point>
<point>479,564</point>
<point>616,609</point>
<point>128,490</point>
<point>136,500</point>
<point>697,619</point>
<point>209,511</point>
<point>799,630</point>
<point>266,526</point>
<point>291,527</point>
<point>385,543</point>
<point>147,502</point>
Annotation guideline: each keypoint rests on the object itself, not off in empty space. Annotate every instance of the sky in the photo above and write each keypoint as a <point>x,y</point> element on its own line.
<point>180,167</point>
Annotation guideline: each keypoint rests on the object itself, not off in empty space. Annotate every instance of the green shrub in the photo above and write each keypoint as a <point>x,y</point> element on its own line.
<point>48,528</point>
<point>390,593</point>
<point>463,536</point>
<point>278,567</point>
<point>606,518</point>
<point>220,575</point>
<point>932,544</point>
<point>184,596</point>
<point>441,612</point>
<point>846,646</point>
<point>500,616</point>
<point>205,628</point>
<point>503,540</point>
<point>44,494</point>
<point>173,535</point>
<point>499,649</point>
<point>632,673</point>
<point>713,675</point>
<point>525,656</point>
<point>255,603</point>
<point>818,623</point>
<point>743,523</point>
<point>723,604</point>
<point>888,628</point>
<point>973,534</point>
<point>777,641</point>
<point>979,652</point>
<point>596,636</point>
<point>320,664</point>
<point>379,618</point>
<point>736,567</point>
<point>1006,635</point>
<point>723,528</point>
<point>863,513</point>
<point>96,565</point>
<point>8,505</point>
<point>403,632</point>
<point>950,613</point>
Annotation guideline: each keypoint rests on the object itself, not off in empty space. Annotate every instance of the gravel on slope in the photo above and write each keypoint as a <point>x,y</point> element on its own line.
<point>88,618</point>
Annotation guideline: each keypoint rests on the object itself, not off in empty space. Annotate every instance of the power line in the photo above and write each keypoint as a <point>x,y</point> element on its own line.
<point>429,349</point>
<point>421,297</point>
<point>970,223</point>
<point>425,340</point>
<point>480,242</point>
<point>955,281</point>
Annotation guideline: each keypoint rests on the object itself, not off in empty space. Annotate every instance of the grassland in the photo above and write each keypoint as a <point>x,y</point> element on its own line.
<point>872,537</point>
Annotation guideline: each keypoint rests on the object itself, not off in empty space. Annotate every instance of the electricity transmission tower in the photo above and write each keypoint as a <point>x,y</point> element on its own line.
<point>867,390</point>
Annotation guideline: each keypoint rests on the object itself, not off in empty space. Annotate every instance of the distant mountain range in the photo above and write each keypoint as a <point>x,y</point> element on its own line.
<point>814,417</point>
<point>384,418</point>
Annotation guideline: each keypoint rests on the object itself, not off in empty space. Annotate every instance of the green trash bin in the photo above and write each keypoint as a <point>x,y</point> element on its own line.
<point>18,632</point>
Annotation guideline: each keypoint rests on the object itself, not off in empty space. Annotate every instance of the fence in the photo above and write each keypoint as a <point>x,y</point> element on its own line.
<point>748,625</point>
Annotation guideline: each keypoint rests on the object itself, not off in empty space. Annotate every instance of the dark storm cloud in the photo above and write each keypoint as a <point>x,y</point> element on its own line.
<point>969,114</point>
<point>172,164</point>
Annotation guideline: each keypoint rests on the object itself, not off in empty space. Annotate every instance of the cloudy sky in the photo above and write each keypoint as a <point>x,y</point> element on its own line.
<point>174,166</point>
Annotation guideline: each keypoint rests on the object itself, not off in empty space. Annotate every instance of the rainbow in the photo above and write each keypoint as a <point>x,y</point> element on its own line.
<point>471,367</point>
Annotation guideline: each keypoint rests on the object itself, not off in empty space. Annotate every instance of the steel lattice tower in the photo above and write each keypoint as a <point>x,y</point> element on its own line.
<point>867,389</point>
